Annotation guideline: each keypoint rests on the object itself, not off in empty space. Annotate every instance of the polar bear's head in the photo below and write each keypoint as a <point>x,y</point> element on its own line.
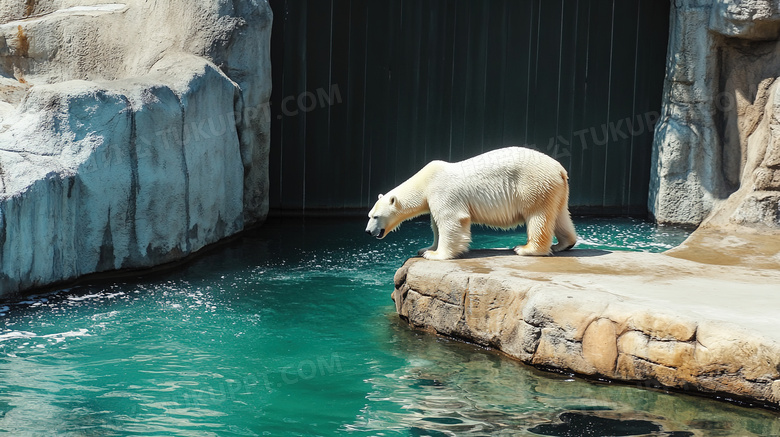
<point>384,216</point>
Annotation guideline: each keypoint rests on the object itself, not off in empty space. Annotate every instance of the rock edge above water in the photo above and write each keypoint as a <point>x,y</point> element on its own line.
<point>634,317</point>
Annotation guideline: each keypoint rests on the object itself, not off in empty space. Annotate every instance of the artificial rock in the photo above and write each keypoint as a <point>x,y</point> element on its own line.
<point>716,154</point>
<point>644,318</point>
<point>131,134</point>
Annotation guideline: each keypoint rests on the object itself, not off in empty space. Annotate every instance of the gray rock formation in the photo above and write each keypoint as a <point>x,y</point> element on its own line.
<point>717,149</point>
<point>131,134</point>
<point>621,316</point>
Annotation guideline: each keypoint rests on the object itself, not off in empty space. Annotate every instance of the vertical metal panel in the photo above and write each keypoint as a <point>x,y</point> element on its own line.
<point>316,114</point>
<point>577,146</point>
<point>649,67</point>
<point>560,145</point>
<point>495,78</point>
<point>288,148</point>
<point>520,41</point>
<point>618,147</point>
<point>461,74</point>
<point>339,122</point>
<point>544,92</point>
<point>357,157</point>
<point>476,60</point>
<point>596,113</point>
<point>440,81</point>
<point>365,93</point>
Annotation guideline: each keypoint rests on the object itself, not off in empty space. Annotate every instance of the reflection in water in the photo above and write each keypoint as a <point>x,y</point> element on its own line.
<point>449,388</point>
<point>291,331</point>
<point>580,424</point>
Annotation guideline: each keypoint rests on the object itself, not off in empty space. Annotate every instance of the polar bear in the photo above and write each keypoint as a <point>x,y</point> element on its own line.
<point>503,188</point>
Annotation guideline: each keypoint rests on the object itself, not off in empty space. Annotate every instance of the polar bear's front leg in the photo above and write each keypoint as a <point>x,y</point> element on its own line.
<point>435,244</point>
<point>453,239</point>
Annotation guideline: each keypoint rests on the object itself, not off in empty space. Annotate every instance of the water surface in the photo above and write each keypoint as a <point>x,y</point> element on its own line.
<point>291,331</point>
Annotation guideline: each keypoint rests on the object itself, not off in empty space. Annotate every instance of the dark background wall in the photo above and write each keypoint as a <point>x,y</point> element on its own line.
<point>367,92</point>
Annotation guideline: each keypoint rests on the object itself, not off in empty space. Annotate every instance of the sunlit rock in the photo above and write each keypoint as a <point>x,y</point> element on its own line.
<point>716,152</point>
<point>625,316</point>
<point>131,133</point>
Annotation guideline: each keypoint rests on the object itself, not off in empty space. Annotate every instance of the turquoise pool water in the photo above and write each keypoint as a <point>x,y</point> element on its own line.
<point>291,331</point>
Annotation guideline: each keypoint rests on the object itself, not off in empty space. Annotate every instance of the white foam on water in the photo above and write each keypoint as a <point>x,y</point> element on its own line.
<point>85,297</point>
<point>13,335</point>
<point>61,336</point>
<point>104,316</point>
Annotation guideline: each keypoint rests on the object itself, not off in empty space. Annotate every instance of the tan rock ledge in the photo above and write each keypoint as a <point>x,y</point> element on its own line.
<point>623,316</point>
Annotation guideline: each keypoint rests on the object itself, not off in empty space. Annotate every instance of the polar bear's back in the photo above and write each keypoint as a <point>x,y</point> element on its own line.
<point>509,159</point>
<point>499,187</point>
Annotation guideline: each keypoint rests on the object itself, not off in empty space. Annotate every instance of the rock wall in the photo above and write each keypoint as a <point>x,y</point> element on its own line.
<point>717,150</point>
<point>131,134</point>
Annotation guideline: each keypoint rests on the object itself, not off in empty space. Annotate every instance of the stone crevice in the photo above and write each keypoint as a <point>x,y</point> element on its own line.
<point>464,297</point>
<point>183,145</point>
<point>648,361</point>
<point>536,340</point>
<point>132,202</point>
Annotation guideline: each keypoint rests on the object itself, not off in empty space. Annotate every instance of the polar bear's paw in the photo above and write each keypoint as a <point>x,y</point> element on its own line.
<point>422,251</point>
<point>529,250</point>
<point>435,254</point>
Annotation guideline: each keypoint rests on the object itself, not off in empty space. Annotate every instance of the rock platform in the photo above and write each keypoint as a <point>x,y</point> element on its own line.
<point>707,325</point>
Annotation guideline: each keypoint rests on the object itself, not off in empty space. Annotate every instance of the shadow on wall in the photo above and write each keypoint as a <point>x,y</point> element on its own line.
<point>748,109</point>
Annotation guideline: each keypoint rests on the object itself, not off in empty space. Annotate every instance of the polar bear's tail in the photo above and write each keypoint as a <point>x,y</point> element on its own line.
<point>564,228</point>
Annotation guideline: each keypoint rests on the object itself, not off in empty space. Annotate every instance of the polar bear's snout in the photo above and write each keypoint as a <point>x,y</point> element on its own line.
<point>375,232</point>
<point>378,234</point>
<point>372,233</point>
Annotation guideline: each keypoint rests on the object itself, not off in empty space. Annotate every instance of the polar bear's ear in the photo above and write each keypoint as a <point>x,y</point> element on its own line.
<point>380,196</point>
<point>392,200</point>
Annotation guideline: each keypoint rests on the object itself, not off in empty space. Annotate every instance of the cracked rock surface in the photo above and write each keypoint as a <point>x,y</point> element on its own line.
<point>132,133</point>
<point>625,316</point>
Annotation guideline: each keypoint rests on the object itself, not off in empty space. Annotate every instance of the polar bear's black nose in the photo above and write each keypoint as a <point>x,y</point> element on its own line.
<point>368,231</point>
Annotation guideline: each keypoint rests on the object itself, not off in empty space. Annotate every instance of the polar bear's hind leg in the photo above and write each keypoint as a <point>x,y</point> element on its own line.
<point>540,230</point>
<point>564,232</point>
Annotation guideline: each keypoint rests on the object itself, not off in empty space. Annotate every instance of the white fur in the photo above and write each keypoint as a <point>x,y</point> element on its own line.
<point>503,188</point>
